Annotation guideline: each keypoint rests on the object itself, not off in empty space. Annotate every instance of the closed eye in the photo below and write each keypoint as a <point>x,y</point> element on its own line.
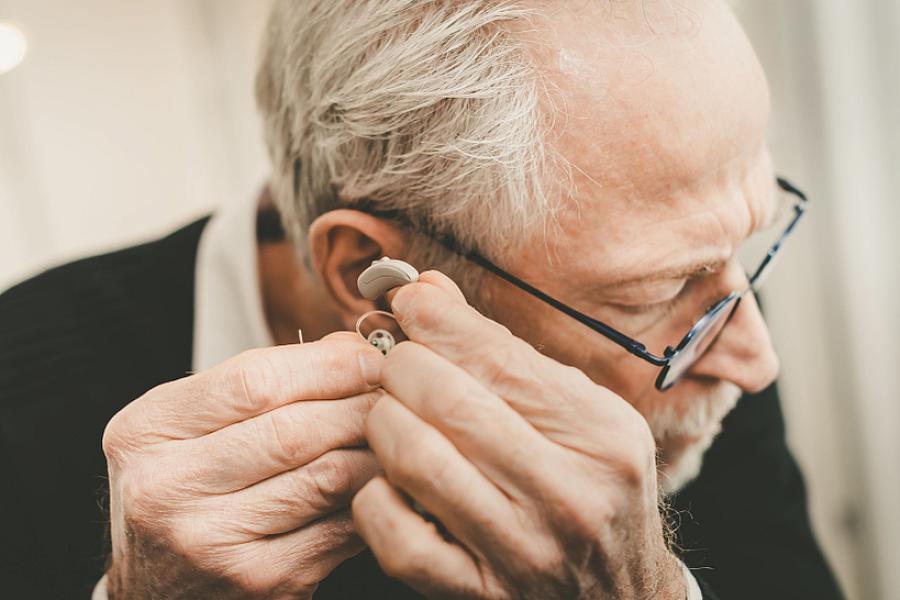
<point>665,307</point>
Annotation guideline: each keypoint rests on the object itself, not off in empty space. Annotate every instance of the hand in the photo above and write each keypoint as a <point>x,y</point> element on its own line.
<point>236,482</point>
<point>544,482</point>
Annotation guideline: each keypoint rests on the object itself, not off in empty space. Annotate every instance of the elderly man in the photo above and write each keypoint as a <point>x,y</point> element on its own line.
<point>554,159</point>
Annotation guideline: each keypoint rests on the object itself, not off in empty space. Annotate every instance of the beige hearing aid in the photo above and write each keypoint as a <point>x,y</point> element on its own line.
<point>383,275</point>
<point>379,278</point>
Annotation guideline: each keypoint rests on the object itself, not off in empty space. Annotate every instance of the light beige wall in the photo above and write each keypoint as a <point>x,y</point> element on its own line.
<point>835,73</point>
<point>126,119</point>
<point>796,315</point>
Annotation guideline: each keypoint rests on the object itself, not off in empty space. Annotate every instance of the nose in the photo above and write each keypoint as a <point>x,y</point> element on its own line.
<point>743,353</point>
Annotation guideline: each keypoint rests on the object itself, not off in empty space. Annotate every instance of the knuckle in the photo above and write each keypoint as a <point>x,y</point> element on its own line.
<point>187,538</point>
<point>249,376</point>
<point>579,378</point>
<point>254,579</point>
<point>461,408</point>
<point>142,494</point>
<point>629,462</point>
<point>326,483</point>
<point>123,432</point>
<point>583,517</point>
<point>286,444</point>
<point>510,365</point>
<point>113,439</point>
<point>439,478</point>
<point>419,449</point>
<point>581,389</point>
<point>498,329</point>
<point>203,540</point>
<point>498,364</point>
<point>305,581</point>
<point>628,453</point>
<point>638,451</point>
<point>544,560</point>
<point>630,474</point>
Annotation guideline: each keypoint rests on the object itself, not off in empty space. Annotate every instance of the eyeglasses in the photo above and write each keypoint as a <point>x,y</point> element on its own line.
<point>677,360</point>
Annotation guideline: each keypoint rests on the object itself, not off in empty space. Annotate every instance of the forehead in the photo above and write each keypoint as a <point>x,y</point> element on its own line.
<point>660,111</point>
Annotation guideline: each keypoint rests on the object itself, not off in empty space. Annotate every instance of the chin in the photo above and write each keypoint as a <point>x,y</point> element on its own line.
<point>684,428</point>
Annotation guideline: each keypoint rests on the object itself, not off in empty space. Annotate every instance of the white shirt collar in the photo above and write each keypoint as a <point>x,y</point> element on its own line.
<point>228,309</point>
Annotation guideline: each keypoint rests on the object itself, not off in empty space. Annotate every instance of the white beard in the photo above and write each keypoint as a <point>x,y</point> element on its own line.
<point>702,418</point>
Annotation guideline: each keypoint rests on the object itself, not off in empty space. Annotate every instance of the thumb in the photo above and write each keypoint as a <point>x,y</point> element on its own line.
<point>437,279</point>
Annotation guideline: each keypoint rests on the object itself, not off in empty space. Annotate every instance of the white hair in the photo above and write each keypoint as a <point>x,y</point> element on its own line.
<point>700,418</point>
<point>427,107</point>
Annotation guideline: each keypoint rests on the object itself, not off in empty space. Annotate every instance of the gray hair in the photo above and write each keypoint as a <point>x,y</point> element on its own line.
<point>427,107</point>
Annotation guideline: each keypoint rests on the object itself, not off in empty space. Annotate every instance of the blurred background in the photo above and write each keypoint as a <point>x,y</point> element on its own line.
<point>120,121</point>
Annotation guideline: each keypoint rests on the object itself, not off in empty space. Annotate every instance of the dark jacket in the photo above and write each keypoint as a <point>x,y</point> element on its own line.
<point>81,341</point>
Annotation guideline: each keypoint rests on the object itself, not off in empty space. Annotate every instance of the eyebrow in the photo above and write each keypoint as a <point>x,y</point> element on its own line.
<point>689,271</point>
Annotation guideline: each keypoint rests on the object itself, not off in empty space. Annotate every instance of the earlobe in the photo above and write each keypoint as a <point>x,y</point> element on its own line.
<point>342,244</point>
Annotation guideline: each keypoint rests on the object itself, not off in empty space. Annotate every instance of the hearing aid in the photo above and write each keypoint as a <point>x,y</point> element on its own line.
<point>383,275</point>
<point>379,278</point>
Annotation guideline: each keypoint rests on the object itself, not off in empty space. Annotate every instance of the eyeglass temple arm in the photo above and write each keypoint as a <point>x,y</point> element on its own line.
<point>626,342</point>
<point>799,209</point>
<point>617,337</point>
<point>629,344</point>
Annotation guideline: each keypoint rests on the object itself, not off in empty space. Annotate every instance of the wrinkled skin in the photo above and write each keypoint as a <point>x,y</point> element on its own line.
<point>503,445</point>
<point>237,482</point>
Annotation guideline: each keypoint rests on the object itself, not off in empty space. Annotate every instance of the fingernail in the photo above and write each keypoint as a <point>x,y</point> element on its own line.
<point>370,361</point>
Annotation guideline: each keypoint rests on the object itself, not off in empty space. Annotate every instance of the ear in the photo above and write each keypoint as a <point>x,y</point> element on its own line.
<point>342,244</point>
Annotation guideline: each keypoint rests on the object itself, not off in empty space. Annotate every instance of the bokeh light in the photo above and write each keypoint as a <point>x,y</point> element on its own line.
<point>13,47</point>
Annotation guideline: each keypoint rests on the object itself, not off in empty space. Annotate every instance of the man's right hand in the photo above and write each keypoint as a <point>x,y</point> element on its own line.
<point>236,482</point>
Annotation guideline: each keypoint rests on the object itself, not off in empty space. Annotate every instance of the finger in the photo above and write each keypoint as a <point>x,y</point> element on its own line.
<point>250,384</point>
<point>507,365</point>
<point>539,388</point>
<point>485,429</point>
<point>418,459</point>
<point>411,549</point>
<point>439,280</point>
<point>559,401</point>
<point>294,563</point>
<point>296,498</point>
<point>278,441</point>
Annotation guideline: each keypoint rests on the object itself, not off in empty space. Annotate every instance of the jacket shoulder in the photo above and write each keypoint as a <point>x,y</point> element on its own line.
<point>101,308</point>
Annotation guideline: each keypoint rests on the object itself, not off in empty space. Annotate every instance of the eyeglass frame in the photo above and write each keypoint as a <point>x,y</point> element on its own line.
<point>670,354</point>
<point>631,345</point>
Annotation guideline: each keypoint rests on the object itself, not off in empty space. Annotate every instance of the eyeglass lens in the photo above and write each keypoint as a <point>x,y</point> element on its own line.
<point>698,341</point>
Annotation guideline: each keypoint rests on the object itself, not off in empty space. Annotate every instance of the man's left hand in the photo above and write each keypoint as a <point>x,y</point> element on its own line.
<point>543,482</point>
